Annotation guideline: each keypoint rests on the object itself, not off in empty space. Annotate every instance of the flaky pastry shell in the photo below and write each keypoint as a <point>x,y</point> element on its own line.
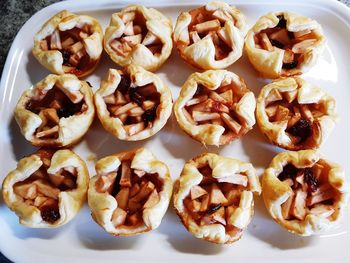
<point>139,35</point>
<point>130,192</point>
<point>56,112</point>
<point>133,104</point>
<point>295,114</point>
<point>284,44</point>
<point>210,37</point>
<point>214,197</point>
<point>304,192</point>
<point>47,189</point>
<point>69,43</point>
<point>215,107</point>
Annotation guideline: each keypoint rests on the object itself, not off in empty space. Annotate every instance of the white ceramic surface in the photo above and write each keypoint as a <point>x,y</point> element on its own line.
<point>84,241</point>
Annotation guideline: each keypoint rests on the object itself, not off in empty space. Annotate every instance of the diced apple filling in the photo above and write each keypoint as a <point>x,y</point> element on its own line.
<point>284,107</point>
<point>53,105</point>
<point>208,25</point>
<point>213,201</point>
<point>135,107</point>
<point>294,44</point>
<point>134,191</point>
<point>311,192</point>
<point>135,33</point>
<point>217,107</point>
<point>70,44</point>
<point>42,190</point>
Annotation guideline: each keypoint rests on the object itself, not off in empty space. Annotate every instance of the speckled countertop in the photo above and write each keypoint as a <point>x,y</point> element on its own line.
<point>13,14</point>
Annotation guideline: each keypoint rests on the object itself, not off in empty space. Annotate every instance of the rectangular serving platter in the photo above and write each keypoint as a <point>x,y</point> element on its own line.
<point>82,240</point>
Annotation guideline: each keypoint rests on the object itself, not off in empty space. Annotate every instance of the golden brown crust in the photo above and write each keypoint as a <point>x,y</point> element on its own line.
<point>214,197</point>
<point>316,214</point>
<point>215,107</point>
<point>69,202</point>
<point>210,37</point>
<point>294,51</point>
<point>139,35</point>
<point>56,112</point>
<point>69,43</point>
<point>295,114</point>
<point>111,212</point>
<point>131,122</point>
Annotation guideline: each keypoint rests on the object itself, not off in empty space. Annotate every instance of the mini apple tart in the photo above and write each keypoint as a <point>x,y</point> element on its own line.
<point>139,35</point>
<point>211,36</point>
<point>214,197</point>
<point>130,192</point>
<point>69,43</point>
<point>47,189</point>
<point>284,44</point>
<point>56,112</point>
<point>305,193</point>
<point>295,114</point>
<point>215,107</point>
<point>133,104</point>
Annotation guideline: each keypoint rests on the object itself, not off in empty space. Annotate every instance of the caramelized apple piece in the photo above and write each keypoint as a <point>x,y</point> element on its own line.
<point>197,191</point>
<point>118,217</point>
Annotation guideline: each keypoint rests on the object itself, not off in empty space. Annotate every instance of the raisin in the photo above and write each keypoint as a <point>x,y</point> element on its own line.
<point>290,65</point>
<point>311,181</point>
<point>276,43</point>
<point>149,115</point>
<point>282,22</point>
<point>200,90</point>
<point>124,84</point>
<point>135,96</point>
<point>50,213</point>
<point>213,208</point>
<point>69,109</point>
<point>289,171</point>
<point>65,55</point>
<point>301,129</point>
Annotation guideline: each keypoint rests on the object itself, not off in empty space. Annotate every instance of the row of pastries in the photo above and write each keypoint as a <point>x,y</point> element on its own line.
<point>214,195</point>
<point>209,37</point>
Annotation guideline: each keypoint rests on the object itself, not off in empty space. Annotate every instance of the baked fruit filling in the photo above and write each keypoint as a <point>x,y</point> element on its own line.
<point>135,32</point>
<point>135,106</point>
<point>134,190</point>
<point>213,201</point>
<point>70,44</point>
<point>294,44</point>
<point>218,107</point>
<point>312,192</point>
<point>51,106</point>
<point>208,24</point>
<point>301,118</point>
<point>42,189</point>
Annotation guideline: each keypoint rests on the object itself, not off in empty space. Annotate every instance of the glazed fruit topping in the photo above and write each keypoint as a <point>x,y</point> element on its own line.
<point>302,129</point>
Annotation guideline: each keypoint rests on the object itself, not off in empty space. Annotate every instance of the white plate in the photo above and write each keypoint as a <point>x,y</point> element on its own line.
<point>82,240</point>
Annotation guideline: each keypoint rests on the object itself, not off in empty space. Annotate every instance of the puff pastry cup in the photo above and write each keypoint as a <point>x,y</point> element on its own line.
<point>304,193</point>
<point>69,43</point>
<point>295,114</point>
<point>214,197</point>
<point>56,112</point>
<point>139,35</point>
<point>130,192</point>
<point>215,107</point>
<point>47,189</point>
<point>284,44</point>
<point>133,104</point>
<point>211,36</point>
